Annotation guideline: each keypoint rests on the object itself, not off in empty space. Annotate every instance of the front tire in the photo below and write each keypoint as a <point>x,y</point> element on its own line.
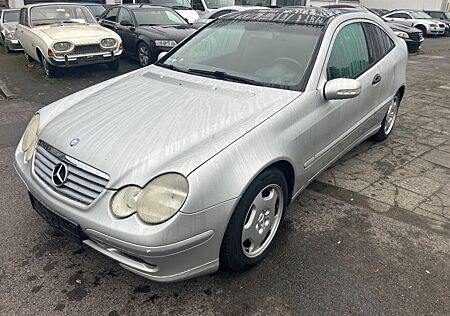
<point>387,125</point>
<point>50,70</point>
<point>145,55</point>
<point>255,221</point>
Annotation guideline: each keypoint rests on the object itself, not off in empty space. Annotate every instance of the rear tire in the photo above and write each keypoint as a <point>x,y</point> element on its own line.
<point>114,65</point>
<point>387,125</point>
<point>255,221</point>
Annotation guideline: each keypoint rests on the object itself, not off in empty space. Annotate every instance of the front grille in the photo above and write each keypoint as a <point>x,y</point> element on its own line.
<point>416,36</point>
<point>86,49</point>
<point>441,25</point>
<point>83,183</point>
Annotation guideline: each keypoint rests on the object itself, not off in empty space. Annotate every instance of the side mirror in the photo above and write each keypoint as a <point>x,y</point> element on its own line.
<point>338,89</point>
<point>126,23</point>
<point>161,55</point>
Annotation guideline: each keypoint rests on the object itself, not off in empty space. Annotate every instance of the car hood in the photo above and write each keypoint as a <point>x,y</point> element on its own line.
<point>402,27</point>
<point>189,15</point>
<point>173,32</point>
<point>155,121</point>
<point>67,32</point>
<point>11,27</point>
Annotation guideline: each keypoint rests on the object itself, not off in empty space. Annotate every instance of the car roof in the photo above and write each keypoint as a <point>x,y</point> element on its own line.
<point>50,3</point>
<point>142,6</point>
<point>288,15</point>
<point>91,4</point>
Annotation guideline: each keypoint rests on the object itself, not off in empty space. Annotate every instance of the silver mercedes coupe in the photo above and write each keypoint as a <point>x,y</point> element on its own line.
<point>183,166</point>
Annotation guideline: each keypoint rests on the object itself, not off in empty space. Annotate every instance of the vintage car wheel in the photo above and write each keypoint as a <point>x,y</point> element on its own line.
<point>387,125</point>
<point>145,55</point>
<point>50,70</point>
<point>255,221</point>
<point>114,65</point>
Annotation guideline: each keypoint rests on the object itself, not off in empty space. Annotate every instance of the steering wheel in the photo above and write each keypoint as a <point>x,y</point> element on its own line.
<point>291,60</point>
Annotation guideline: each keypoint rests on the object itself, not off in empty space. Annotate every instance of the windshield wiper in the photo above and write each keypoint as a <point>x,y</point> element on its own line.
<point>223,76</point>
<point>172,67</point>
<point>147,24</point>
<point>180,7</point>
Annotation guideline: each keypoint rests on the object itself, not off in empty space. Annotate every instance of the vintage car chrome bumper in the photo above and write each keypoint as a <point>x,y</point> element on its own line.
<point>13,44</point>
<point>185,246</point>
<point>78,60</point>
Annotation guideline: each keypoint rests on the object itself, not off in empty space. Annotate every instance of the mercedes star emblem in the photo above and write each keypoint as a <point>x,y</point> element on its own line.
<point>74,142</point>
<point>59,174</point>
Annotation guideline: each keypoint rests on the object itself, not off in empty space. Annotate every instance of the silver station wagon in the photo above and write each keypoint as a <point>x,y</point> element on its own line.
<point>188,164</point>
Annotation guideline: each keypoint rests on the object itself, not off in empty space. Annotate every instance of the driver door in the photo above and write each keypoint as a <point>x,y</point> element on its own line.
<point>340,123</point>
<point>127,32</point>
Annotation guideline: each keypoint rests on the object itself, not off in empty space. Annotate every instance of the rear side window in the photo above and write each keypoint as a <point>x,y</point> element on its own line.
<point>380,44</point>
<point>349,56</point>
<point>112,15</point>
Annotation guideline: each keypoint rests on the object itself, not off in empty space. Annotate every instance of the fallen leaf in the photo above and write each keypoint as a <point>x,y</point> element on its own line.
<point>78,281</point>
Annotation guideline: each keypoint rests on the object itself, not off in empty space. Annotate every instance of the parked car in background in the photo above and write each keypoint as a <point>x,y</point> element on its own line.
<point>8,25</point>
<point>173,169</point>
<point>411,35</point>
<point>182,7</point>
<point>146,30</point>
<point>441,16</point>
<point>66,35</point>
<point>417,19</point>
<point>95,8</point>
<point>214,14</point>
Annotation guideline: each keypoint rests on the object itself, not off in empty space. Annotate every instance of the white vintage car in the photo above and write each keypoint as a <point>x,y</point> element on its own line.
<point>66,35</point>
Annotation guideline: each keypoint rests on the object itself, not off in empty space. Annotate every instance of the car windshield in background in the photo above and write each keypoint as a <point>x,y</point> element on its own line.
<point>157,17</point>
<point>56,14</point>
<point>176,4</point>
<point>97,10</point>
<point>11,16</point>
<point>216,4</point>
<point>420,15</point>
<point>267,54</point>
<point>447,15</point>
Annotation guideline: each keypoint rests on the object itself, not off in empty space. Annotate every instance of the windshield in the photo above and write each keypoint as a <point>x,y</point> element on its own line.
<point>97,10</point>
<point>267,54</point>
<point>52,14</point>
<point>11,16</point>
<point>216,4</point>
<point>420,15</point>
<point>177,4</point>
<point>447,15</point>
<point>157,17</point>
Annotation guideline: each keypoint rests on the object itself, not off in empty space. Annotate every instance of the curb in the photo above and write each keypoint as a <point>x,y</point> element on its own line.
<point>5,91</point>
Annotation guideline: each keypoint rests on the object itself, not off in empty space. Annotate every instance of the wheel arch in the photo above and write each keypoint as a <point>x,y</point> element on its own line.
<point>402,92</point>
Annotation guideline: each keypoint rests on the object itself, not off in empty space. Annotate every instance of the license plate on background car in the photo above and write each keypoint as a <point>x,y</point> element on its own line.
<point>67,227</point>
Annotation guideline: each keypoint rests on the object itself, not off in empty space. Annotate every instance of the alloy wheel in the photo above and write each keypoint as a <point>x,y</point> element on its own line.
<point>262,220</point>
<point>391,116</point>
<point>143,55</point>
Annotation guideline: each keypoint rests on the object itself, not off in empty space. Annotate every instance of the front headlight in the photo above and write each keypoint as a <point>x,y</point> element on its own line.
<point>165,43</point>
<point>158,201</point>
<point>62,46</point>
<point>401,34</point>
<point>11,35</point>
<point>30,137</point>
<point>108,43</point>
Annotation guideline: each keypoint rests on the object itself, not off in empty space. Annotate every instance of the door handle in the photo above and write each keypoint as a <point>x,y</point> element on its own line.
<point>376,79</point>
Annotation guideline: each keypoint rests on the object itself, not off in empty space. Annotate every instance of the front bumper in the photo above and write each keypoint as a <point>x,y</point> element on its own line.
<point>413,45</point>
<point>185,246</point>
<point>436,31</point>
<point>13,45</point>
<point>79,60</point>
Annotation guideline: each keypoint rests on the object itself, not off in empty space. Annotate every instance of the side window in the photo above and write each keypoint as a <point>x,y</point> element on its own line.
<point>380,44</point>
<point>349,55</point>
<point>26,22</point>
<point>124,15</point>
<point>112,15</point>
<point>220,13</point>
<point>198,5</point>
<point>399,16</point>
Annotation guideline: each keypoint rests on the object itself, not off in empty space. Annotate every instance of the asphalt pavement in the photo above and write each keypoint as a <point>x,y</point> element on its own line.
<point>342,249</point>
